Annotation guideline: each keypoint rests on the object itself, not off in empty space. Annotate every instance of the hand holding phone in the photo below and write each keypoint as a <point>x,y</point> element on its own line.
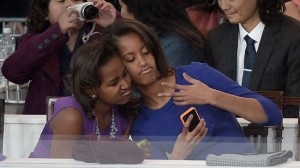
<point>195,121</point>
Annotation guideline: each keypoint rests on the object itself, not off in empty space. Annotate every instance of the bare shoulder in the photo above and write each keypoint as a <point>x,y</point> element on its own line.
<point>67,121</point>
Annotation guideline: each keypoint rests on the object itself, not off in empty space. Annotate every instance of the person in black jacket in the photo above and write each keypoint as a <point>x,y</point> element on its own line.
<point>276,38</point>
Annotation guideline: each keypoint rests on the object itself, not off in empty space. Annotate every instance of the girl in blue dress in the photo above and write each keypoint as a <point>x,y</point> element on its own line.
<point>166,93</point>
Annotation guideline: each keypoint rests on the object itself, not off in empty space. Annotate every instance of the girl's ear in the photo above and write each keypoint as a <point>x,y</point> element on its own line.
<point>91,92</point>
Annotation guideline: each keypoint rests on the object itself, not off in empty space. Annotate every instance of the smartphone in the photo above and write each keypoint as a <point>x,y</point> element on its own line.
<point>195,121</point>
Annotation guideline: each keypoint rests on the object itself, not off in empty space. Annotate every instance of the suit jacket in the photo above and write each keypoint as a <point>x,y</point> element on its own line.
<point>277,62</point>
<point>37,61</point>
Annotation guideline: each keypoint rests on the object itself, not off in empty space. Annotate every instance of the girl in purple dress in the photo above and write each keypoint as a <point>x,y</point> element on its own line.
<point>101,91</point>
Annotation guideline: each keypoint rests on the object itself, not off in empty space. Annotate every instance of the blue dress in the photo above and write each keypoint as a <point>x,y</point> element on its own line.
<point>161,127</point>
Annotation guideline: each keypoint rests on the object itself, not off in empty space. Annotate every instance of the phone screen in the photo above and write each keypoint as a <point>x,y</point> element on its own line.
<point>195,121</point>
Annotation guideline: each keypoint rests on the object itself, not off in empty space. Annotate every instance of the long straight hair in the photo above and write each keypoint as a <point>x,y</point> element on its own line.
<point>168,16</point>
<point>123,27</point>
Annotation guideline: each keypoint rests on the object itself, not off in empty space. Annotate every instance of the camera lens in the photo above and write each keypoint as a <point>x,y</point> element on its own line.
<point>89,12</point>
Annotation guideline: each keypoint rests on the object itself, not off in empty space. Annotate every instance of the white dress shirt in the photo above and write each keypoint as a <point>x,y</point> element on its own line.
<point>255,34</point>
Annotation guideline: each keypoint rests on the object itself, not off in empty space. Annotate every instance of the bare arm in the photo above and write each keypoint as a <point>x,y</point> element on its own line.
<point>66,128</point>
<point>199,93</point>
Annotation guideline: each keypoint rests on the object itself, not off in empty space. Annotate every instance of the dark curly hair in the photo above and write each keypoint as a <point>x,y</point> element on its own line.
<point>168,16</point>
<point>36,21</point>
<point>269,9</point>
<point>206,5</point>
<point>38,12</point>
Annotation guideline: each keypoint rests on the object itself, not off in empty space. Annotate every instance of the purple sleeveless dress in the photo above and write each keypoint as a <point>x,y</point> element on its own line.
<point>43,147</point>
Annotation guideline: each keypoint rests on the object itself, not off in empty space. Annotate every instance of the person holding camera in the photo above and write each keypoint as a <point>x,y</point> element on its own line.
<point>55,30</point>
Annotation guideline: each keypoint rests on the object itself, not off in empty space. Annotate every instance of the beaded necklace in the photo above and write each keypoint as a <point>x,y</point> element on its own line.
<point>113,128</point>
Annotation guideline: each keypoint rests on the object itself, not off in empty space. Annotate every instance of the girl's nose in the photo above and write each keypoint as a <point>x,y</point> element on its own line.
<point>126,83</point>
<point>142,61</point>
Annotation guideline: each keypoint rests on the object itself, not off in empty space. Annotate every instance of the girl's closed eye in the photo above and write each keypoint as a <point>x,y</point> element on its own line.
<point>146,53</point>
<point>129,58</point>
<point>113,82</point>
<point>145,50</point>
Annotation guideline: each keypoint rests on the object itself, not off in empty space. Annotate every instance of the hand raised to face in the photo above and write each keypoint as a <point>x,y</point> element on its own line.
<point>196,93</point>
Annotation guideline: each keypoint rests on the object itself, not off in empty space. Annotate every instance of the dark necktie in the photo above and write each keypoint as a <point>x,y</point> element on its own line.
<point>249,60</point>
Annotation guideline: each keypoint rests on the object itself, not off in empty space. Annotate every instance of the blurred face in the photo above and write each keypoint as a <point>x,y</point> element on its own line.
<point>241,11</point>
<point>124,11</point>
<point>297,2</point>
<point>116,83</point>
<point>58,7</point>
<point>138,59</point>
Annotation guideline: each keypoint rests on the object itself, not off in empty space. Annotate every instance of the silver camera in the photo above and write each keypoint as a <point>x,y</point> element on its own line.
<point>86,10</point>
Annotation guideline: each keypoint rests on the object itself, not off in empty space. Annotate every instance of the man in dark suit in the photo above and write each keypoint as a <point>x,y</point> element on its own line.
<point>276,57</point>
